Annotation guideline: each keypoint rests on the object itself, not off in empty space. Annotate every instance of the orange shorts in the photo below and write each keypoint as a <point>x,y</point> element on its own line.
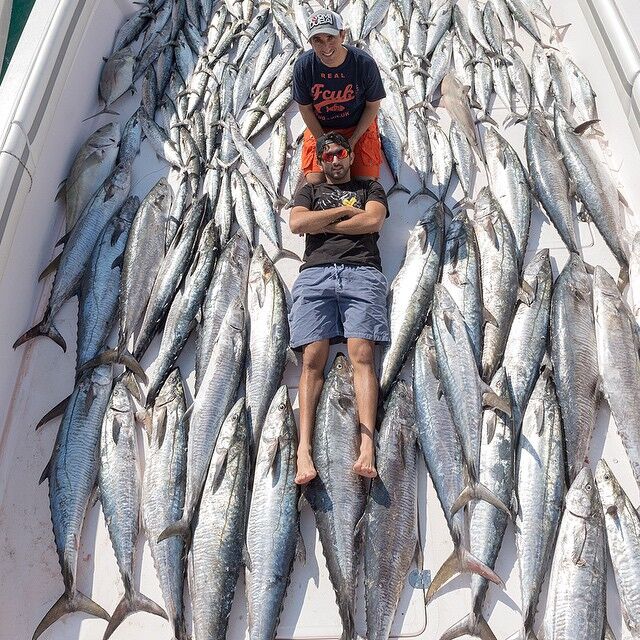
<point>367,152</point>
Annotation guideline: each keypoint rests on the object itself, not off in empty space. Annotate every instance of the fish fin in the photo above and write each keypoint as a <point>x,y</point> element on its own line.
<point>622,199</point>
<point>473,625</point>
<point>461,561</point>
<point>291,357</point>
<point>52,267</point>
<point>115,433</point>
<point>623,278</point>
<point>129,604</point>
<point>488,317</point>
<point>68,603</point>
<point>423,192</point>
<point>178,528</point>
<point>285,253</point>
<point>110,356</point>
<point>582,128</point>
<point>493,400</point>
<point>118,262</point>
<point>485,117</point>
<point>301,550</point>
<point>491,426</point>
<point>43,328</point>
<point>105,110</point>
<point>58,410</point>
<point>272,450</point>
<point>578,547</point>
<point>478,491</point>
<point>46,471</point>
<point>397,187</point>
<point>62,190</point>
<point>60,242</point>
<point>161,426</point>
<point>131,383</point>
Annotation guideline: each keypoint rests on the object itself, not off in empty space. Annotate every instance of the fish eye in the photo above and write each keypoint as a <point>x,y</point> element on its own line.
<point>339,366</point>
<point>588,487</point>
<point>281,406</point>
<point>607,477</point>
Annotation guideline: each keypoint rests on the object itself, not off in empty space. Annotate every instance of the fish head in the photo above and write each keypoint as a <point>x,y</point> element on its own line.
<point>340,379</point>
<point>238,249</point>
<point>234,317</point>
<point>129,209</point>
<point>612,496</point>
<point>400,405</point>
<point>539,269</point>
<point>280,423</point>
<point>172,389</point>
<point>161,194</point>
<point>106,136</point>
<point>606,294</point>
<point>120,400</point>
<point>582,498</point>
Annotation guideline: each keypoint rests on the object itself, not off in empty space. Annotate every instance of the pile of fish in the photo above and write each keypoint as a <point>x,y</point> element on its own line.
<point>506,366</point>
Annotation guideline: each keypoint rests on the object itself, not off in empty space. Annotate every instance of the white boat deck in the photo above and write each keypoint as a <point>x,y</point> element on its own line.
<point>74,36</point>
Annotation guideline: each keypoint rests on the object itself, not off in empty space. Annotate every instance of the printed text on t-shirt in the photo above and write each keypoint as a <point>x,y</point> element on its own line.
<point>324,97</point>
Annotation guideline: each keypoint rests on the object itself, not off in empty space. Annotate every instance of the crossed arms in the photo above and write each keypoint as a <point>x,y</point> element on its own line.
<point>344,219</point>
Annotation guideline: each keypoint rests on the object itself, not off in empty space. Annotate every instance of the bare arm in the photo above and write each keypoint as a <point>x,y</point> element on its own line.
<point>368,116</point>
<point>368,221</point>
<point>303,220</point>
<point>309,118</point>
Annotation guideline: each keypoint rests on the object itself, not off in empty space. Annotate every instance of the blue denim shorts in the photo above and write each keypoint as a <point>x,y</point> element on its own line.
<point>337,301</point>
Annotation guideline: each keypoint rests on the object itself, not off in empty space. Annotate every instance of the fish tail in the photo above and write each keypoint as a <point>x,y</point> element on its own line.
<point>423,192</point>
<point>478,491</point>
<point>286,253</point>
<point>44,328</point>
<point>559,31</point>
<point>58,410</point>
<point>100,113</point>
<point>69,603</point>
<point>472,625</point>
<point>130,603</point>
<point>460,561</point>
<point>397,187</point>
<point>178,528</point>
<point>112,356</point>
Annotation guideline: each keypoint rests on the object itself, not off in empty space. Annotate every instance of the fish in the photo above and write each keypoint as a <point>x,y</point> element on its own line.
<point>393,150</point>
<point>525,19</point>
<point>440,64</point>
<point>463,159</point>
<point>582,93</point>
<point>540,484</point>
<point>274,508</point>
<point>373,16</point>
<point>181,318</point>
<point>541,76</point>
<point>215,556</point>
<point>575,605</point>
<point>442,451</point>
<point>389,522</point>
<point>493,29</point>
<point>455,100</point>
<point>483,85</point>
<point>574,355</point>
<point>242,207</point>
<point>488,523</point>
<point>278,144</point>
<point>439,19</point>
<point>117,77</point>
<point>411,292</point>
<point>72,472</point>
<point>163,488</point>
<point>622,527</point>
<point>461,278</point>
<point>634,275</point>
<point>98,297</point>
<point>211,405</point>
<point>228,283</point>
<point>594,187</point>
<point>476,27</point>
<point>618,361</point>
<point>527,342</point>
<point>268,340</point>
<point>119,484</point>
<point>337,495</point>
<point>549,178</point>
<point>465,393</point>
<point>500,275</point>
<point>130,139</point>
<point>419,151</point>
<point>560,87</point>
<point>170,273</point>
<point>93,163</point>
<point>442,160</point>
<point>76,253</point>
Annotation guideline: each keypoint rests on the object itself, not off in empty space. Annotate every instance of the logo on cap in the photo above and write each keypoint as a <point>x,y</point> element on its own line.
<point>318,19</point>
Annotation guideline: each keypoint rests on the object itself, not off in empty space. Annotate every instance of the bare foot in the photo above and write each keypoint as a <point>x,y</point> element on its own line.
<point>365,466</point>
<point>306,471</point>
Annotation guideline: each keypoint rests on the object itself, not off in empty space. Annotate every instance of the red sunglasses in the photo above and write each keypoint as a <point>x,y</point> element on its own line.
<point>328,156</point>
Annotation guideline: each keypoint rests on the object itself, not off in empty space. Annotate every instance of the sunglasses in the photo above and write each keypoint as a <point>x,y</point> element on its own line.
<point>328,156</point>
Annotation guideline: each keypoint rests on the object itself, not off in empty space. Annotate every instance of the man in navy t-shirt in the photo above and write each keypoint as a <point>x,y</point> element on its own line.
<point>338,88</point>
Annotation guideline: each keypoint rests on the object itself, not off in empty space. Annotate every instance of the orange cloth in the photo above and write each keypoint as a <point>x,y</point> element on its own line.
<point>368,154</point>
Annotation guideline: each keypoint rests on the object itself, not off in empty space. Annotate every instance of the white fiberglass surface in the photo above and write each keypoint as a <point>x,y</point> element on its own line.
<point>31,579</point>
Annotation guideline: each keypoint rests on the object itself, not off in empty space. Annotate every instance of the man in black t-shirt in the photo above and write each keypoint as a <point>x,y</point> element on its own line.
<point>340,293</point>
<point>338,88</point>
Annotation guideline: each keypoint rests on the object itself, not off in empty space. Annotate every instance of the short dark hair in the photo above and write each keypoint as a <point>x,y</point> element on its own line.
<point>331,137</point>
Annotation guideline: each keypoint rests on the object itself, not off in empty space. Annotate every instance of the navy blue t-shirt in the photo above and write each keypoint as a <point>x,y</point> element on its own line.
<point>338,93</point>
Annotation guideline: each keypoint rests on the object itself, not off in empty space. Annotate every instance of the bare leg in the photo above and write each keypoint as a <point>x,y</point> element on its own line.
<point>314,358</point>
<point>316,177</point>
<point>361,354</point>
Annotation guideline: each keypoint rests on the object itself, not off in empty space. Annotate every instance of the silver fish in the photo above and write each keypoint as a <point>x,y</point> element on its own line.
<point>72,473</point>
<point>337,494</point>
<point>463,158</point>
<point>242,207</point>
<point>119,484</point>
<point>389,521</point>
<point>540,489</point>
<point>411,292</point>
<point>274,509</point>
<point>163,487</point>
<point>575,361</point>
<point>582,93</point>
<point>623,538</point>
<point>618,362</point>
<point>392,148</point>
<point>576,597</point>
<point>215,556</point>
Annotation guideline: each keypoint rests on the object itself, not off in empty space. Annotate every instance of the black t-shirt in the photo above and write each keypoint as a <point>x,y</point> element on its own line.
<point>338,93</point>
<point>339,248</point>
